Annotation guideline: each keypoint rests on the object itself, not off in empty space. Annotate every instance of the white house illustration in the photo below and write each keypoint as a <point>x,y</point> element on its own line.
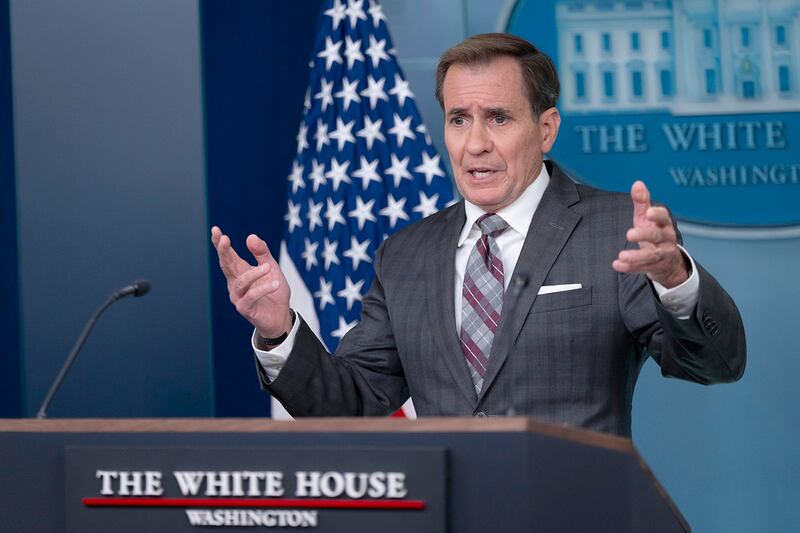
<point>688,57</point>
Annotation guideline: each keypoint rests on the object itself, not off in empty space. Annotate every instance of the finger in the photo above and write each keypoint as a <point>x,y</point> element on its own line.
<point>648,235</point>
<point>262,288</point>
<point>649,259</point>
<point>641,256</point>
<point>216,233</point>
<point>641,202</point>
<point>247,279</point>
<point>638,267</point>
<point>232,265</point>
<point>622,266</point>
<point>659,215</point>
<point>259,249</point>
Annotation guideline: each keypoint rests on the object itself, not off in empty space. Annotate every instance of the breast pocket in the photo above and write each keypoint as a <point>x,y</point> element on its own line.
<point>562,300</point>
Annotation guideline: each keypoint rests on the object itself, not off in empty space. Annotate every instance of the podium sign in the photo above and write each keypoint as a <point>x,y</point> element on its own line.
<point>183,489</point>
<point>465,475</point>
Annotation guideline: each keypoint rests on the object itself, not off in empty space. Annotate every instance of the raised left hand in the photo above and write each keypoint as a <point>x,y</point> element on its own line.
<point>658,255</point>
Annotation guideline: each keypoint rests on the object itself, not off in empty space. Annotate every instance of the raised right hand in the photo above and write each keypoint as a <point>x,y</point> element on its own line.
<point>658,255</point>
<point>260,293</point>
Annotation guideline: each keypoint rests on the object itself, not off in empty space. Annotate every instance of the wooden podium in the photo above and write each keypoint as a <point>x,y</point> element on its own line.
<point>500,474</point>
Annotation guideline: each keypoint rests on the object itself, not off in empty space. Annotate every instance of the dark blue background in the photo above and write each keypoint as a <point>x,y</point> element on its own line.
<point>10,386</point>
<point>253,96</point>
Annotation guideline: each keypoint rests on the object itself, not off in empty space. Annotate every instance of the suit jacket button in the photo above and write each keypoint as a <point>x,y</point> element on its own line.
<point>480,414</point>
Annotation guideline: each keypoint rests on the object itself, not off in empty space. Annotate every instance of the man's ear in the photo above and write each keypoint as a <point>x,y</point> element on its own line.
<point>549,122</point>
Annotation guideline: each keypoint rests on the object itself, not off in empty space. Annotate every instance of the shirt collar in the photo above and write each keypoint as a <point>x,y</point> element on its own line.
<point>518,213</point>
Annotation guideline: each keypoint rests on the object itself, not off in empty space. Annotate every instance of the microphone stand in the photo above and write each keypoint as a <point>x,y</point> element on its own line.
<point>42,413</point>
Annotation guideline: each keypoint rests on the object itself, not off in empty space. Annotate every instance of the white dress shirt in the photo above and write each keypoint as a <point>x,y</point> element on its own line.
<point>680,300</point>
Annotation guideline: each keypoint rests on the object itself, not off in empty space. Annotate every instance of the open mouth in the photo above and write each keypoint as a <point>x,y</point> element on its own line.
<point>481,173</point>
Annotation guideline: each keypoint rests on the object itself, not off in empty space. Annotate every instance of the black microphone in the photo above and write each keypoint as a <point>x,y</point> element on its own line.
<point>137,288</point>
<point>140,287</point>
<point>515,288</point>
<point>518,282</point>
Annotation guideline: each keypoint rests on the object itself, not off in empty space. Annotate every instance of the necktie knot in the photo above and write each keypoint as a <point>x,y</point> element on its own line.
<point>492,224</point>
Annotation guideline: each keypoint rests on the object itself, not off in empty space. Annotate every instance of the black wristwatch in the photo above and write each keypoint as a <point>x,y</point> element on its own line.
<point>277,340</point>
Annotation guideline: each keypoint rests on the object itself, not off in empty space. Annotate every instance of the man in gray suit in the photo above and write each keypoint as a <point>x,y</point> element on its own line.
<point>533,296</point>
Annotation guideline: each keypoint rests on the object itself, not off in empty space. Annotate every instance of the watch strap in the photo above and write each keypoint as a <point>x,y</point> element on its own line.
<point>279,339</point>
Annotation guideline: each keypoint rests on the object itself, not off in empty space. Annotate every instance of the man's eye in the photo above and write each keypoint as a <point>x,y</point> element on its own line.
<point>457,121</point>
<point>499,119</point>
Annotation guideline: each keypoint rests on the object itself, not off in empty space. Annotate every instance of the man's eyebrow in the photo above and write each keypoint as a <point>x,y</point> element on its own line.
<point>456,111</point>
<point>498,111</point>
<point>486,111</point>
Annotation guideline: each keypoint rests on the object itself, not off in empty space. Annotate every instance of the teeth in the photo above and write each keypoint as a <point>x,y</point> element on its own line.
<point>481,173</point>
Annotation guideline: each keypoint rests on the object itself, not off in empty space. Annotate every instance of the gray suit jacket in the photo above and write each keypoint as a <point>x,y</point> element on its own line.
<point>567,357</point>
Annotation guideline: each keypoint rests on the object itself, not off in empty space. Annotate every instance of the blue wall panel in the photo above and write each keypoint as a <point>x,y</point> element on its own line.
<point>110,187</point>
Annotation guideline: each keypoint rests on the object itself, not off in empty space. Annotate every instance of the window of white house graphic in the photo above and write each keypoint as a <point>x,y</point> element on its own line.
<point>581,80</point>
<point>608,84</point>
<point>665,81</point>
<point>711,81</point>
<point>784,79</point>
<point>748,89</point>
<point>708,38</point>
<point>745,36</point>
<point>780,37</point>
<point>636,70</point>
<point>580,85</point>
<point>747,80</point>
<point>665,40</point>
<point>635,45</point>
<point>605,42</point>
<point>578,43</point>
<point>608,77</point>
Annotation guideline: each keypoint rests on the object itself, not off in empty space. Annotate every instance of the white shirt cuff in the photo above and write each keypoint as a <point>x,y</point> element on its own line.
<point>272,361</point>
<point>681,300</point>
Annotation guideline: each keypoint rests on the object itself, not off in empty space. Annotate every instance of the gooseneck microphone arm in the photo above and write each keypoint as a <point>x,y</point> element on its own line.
<point>137,288</point>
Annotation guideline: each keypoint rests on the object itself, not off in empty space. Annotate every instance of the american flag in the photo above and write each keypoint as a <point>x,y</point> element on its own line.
<point>365,167</point>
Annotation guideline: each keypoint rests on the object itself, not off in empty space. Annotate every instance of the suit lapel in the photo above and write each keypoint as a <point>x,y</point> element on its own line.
<point>440,263</point>
<point>550,228</point>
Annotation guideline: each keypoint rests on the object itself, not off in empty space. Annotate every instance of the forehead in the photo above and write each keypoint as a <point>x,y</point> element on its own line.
<point>495,83</point>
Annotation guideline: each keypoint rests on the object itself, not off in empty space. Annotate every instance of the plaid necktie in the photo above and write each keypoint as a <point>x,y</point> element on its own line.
<point>482,299</point>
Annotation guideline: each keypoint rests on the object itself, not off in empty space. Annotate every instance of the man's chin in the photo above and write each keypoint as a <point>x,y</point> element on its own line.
<point>489,203</point>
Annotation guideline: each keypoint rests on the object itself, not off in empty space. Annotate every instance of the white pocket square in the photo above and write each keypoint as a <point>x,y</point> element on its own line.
<point>549,289</point>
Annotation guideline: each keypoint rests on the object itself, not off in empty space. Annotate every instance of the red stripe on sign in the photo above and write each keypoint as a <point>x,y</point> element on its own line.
<point>255,502</point>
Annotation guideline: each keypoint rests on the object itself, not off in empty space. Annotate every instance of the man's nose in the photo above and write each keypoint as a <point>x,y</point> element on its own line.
<point>478,139</point>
